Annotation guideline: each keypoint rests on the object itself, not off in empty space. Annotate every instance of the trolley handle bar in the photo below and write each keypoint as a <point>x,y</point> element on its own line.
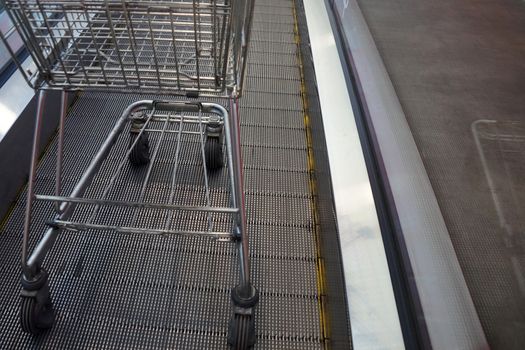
<point>195,107</point>
<point>140,205</point>
<point>71,225</point>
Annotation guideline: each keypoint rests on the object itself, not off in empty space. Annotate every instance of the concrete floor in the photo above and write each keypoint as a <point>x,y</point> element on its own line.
<point>458,67</point>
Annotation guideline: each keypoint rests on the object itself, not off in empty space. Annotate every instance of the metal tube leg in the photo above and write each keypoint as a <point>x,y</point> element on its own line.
<point>60,149</point>
<point>238,174</point>
<point>36,311</point>
<point>245,296</point>
<point>30,189</point>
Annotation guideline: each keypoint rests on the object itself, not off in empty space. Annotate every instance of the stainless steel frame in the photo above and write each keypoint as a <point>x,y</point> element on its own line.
<point>191,48</point>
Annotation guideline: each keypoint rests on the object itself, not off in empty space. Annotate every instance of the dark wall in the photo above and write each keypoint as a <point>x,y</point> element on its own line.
<point>15,148</point>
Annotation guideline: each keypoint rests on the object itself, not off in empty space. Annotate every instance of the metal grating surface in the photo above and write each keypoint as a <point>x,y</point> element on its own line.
<point>118,291</point>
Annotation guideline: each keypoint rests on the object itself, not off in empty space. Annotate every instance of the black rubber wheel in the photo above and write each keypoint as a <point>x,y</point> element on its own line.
<point>213,154</point>
<point>36,315</point>
<point>241,332</point>
<point>140,153</point>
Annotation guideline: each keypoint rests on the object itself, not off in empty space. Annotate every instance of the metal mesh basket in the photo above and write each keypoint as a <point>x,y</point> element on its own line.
<point>148,46</point>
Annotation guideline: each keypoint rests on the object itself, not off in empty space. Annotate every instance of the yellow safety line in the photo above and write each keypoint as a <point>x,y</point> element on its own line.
<point>320,268</point>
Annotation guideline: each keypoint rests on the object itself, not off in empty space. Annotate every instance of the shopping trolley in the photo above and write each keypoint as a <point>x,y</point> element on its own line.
<point>187,48</point>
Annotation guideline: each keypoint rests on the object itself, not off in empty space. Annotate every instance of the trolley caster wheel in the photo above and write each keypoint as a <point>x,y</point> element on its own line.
<point>140,153</point>
<point>241,332</point>
<point>213,154</point>
<point>36,312</point>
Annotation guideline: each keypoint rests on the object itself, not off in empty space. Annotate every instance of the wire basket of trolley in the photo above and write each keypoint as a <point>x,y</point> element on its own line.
<point>187,48</point>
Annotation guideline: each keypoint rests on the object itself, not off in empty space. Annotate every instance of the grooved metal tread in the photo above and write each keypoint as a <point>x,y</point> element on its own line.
<point>141,292</point>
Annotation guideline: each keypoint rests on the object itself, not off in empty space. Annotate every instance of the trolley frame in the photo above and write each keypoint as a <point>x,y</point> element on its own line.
<point>181,47</point>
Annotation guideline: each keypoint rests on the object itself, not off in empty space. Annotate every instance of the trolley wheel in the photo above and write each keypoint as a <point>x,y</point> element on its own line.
<point>36,311</point>
<point>213,154</point>
<point>241,333</point>
<point>140,153</point>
